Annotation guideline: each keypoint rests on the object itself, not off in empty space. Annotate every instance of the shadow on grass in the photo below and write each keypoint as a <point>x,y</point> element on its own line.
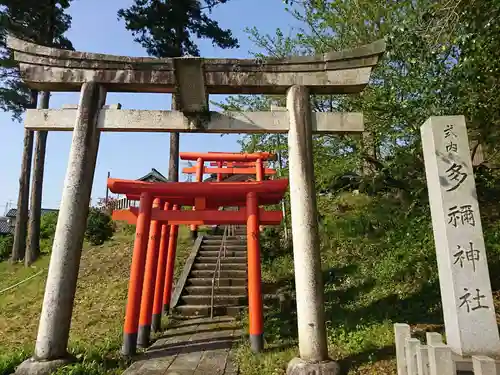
<point>356,360</point>
<point>422,308</point>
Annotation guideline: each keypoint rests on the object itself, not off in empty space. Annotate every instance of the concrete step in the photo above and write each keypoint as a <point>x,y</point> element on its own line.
<point>223,266</point>
<point>223,282</point>
<point>229,253</point>
<point>216,247</point>
<point>215,239</point>
<point>204,311</point>
<point>220,300</point>
<point>218,290</point>
<point>242,274</point>
<point>227,259</point>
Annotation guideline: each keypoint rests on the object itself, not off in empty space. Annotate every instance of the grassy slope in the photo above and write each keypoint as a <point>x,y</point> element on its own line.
<point>379,268</point>
<point>100,300</point>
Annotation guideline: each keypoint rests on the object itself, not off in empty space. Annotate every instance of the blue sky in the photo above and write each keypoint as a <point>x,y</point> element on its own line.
<point>95,28</point>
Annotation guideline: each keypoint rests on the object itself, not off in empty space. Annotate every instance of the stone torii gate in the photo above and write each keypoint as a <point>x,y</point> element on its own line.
<point>193,79</point>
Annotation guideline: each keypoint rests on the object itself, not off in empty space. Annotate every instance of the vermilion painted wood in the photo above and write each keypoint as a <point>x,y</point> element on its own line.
<point>214,203</point>
<point>221,156</point>
<point>237,190</point>
<point>199,178</point>
<point>205,217</point>
<point>169,271</point>
<point>256,317</point>
<point>143,220</point>
<point>160,273</point>
<point>232,164</point>
<point>148,288</point>
<point>190,170</point>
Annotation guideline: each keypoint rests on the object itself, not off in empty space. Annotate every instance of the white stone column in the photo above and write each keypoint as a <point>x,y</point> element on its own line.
<point>469,314</point>
<point>306,246</point>
<point>55,320</point>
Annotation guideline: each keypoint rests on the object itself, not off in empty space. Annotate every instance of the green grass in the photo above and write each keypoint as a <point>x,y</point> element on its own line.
<point>96,328</point>
<point>379,268</point>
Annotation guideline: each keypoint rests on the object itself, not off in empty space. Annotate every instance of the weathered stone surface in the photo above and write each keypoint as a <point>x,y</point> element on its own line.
<point>168,121</point>
<point>298,366</point>
<point>34,367</point>
<point>191,347</point>
<point>51,69</point>
<point>468,309</point>
<point>55,318</point>
<point>306,246</point>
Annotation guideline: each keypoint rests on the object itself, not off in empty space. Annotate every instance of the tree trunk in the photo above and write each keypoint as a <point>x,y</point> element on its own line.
<point>24,191</point>
<point>173,165</point>
<point>33,246</point>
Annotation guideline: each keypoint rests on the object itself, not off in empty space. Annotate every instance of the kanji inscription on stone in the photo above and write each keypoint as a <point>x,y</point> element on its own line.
<point>464,280</point>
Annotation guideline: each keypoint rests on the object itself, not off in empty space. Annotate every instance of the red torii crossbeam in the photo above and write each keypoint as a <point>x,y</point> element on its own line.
<point>255,160</point>
<point>143,296</point>
<point>228,170</point>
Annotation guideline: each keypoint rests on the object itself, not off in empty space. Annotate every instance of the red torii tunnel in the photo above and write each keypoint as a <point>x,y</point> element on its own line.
<point>151,276</point>
<point>253,161</point>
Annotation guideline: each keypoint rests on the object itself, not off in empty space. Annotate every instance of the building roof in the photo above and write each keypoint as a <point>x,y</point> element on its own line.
<point>153,176</point>
<point>13,211</point>
<point>5,227</point>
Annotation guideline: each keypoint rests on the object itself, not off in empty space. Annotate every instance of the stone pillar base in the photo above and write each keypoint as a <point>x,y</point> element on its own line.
<point>298,366</point>
<point>33,367</point>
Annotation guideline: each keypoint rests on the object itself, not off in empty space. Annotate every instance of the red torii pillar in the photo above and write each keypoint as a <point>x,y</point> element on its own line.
<point>161,273</point>
<point>199,178</point>
<point>137,275</point>
<point>149,280</point>
<point>272,189</point>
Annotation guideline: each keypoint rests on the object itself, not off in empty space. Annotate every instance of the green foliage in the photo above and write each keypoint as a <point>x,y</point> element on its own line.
<point>165,28</point>
<point>41,21</point>
<point>9,361</point>
<point>6,243</point>
<point>100,227</point>
<point>48,223</point>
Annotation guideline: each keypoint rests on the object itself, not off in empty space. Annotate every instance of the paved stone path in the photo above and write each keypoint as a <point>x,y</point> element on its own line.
<point>192,347</point>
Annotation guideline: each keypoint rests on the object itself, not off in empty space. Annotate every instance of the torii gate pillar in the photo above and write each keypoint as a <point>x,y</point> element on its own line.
<point>313,346</point>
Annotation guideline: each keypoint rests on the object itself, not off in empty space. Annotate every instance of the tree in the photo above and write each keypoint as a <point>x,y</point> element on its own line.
<point>165,28</point>
<point>43,22</point>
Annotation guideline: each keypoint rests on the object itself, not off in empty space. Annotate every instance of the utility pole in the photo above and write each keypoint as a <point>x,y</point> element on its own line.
<point>107,190</point>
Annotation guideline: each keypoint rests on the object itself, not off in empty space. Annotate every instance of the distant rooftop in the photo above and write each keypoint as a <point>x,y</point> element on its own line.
<point>153,176</point>
<point>13,211</point>
<point>5,227</point>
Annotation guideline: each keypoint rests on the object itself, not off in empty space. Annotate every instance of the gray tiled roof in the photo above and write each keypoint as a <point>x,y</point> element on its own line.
<point>13,211</point>
<point>5,226</point>
<point>153,176</point>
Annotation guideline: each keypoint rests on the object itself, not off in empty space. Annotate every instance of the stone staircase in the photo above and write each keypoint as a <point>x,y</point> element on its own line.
<point>230,291</point>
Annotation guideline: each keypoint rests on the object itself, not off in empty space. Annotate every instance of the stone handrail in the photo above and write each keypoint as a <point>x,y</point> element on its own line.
<point>434,358</point>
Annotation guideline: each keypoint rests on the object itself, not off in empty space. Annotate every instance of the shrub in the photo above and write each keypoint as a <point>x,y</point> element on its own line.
<point>100,227</point>
<point>6,243</point>
<point>48,224</point>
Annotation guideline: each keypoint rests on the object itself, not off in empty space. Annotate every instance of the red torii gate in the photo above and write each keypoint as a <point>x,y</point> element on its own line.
<point>255,160</point>
<point>151,275</point>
